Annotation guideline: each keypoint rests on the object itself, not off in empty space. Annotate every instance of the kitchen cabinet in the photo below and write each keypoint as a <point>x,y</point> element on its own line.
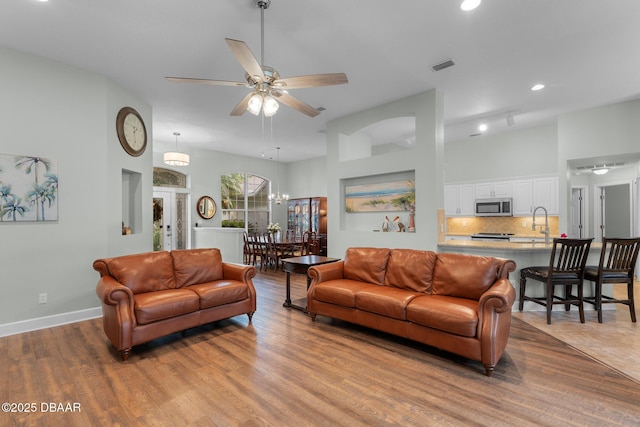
<point>494,189</point>
<point>522,197</point>
<point>527,239</point>
<point>456,237</point>
<point>545,194</point>
<point>308,214</point>
<point>459,199</point>
<point>530,193</point>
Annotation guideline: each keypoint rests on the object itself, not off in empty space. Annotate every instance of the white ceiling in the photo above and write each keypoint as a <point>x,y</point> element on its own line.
<point>585,51</point>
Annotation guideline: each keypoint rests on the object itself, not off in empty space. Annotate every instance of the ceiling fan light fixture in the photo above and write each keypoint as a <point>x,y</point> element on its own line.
<point>270,106</point>
<point>470,4</point>
<point>255,104</point>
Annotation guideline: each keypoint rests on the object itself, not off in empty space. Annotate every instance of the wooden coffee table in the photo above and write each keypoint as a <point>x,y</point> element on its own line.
<point>301,265</point>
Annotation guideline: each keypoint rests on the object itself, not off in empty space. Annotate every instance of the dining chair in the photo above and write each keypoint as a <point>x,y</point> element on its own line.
<point>309,240</point>
<point>257,247</point>
<point>617,265</point>
<point>247,252</point>
<point>273,254</point>
<point>566,269</point>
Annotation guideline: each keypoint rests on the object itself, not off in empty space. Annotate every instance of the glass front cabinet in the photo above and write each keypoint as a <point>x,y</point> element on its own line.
<point>308,214</point>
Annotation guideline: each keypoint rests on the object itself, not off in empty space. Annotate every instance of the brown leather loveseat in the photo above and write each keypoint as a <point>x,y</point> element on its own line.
<point>455,302</point>
<point>149,295</point>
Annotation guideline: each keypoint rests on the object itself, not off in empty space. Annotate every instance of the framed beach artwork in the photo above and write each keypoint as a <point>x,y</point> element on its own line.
<point>28,189</point>
<point>381,197</point>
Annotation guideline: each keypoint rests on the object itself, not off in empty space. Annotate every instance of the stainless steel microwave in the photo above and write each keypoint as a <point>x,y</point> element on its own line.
<point>494,207</point>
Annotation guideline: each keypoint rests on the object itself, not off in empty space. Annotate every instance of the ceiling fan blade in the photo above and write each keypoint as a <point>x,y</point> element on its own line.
<point>295,103</point>
<point>312,80</point>
<point>241,107</point>
<point>246,58</point>
<point>206,81</point>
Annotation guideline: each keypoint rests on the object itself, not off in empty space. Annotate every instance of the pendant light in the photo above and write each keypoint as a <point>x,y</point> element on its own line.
<point>176,158</point>
<point>277,197</point>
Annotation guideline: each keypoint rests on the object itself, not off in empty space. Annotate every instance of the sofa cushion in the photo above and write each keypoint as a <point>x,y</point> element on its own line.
<point>386,301</point>
<point>465,276</point>
<point>340,292</point>
<point>410,269</point>
<point>366,264</point>
<point>193,266</point>
<point>153,306</point>
<point>450,314</point>
<point>220,292</point>
<point>146,272</point>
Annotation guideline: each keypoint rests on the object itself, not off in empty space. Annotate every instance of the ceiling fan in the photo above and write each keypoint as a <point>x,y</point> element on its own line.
<point>268,87</point>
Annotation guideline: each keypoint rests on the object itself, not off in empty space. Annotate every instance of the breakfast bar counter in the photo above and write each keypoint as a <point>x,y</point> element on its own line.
<point>525,255</point>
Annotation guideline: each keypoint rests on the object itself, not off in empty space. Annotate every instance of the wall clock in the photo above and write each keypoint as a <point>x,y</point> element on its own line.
<point>131,131</point>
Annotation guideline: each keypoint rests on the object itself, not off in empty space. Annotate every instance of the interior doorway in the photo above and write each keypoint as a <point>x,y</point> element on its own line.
<point>578,213</point>
<point>170,221</point>
<point>613,213</point>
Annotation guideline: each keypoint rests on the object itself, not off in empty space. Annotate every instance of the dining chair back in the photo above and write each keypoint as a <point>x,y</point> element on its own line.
<point>617,265</point>
<point>309,243</point>
<point>566,269</point>
<point>247,250</point>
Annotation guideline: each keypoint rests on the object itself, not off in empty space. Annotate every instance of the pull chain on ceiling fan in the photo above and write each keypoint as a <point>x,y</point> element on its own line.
<point>268,87</point>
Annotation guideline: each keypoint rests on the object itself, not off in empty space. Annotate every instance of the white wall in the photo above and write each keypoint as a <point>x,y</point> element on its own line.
<point>597,132</point>
<point>426,159</point>
<point>205,169</point>
<point>68,115</point>
<point>532,151</point>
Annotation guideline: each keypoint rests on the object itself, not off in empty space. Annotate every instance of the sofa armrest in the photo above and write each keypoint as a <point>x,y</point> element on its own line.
<point>118,317</point>
<point>498,298</point>
<point>326,272</point>
<point>240,272</point>
<point>494,321</point>
<point>111,292</point>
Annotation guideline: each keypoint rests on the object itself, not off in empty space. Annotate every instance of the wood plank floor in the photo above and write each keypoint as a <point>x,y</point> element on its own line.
<point>284,370</point>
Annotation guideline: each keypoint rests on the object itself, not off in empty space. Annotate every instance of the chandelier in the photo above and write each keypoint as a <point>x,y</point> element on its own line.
<point>277,197</point>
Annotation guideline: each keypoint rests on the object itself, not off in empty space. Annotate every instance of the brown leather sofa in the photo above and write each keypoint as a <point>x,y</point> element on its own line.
<point>455,302</point>
<point>149,295</point>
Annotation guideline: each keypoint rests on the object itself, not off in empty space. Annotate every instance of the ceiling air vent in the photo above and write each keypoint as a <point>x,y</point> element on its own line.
<point>441,66</point>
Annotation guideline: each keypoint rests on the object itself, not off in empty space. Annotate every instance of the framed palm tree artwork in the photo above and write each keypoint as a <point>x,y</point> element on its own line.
<point>28,189</point>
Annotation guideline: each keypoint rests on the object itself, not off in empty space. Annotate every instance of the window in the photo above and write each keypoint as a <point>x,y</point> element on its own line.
<point>245,201</point>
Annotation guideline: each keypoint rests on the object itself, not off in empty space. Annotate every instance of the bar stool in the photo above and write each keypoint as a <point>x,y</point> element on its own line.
<point>617,265</point>
<point>566,268</point>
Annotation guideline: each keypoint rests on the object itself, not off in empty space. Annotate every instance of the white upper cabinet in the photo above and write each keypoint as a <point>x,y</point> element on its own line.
<point>522,197</point>
<point>492,189</point>
<point>545,194</point>
<point>526,193</point>
<point>530,193</point>
<point>459,199</point>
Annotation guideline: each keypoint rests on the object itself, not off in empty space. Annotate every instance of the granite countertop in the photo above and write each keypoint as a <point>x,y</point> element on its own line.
<point>505,246</point>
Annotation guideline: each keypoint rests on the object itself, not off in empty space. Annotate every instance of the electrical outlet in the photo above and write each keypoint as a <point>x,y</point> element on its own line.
<point>524,223</point>
<point>464,223</point>
<point>42,299</point>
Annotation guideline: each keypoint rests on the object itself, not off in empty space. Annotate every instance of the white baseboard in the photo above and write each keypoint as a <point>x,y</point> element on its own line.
<point>49,321</point>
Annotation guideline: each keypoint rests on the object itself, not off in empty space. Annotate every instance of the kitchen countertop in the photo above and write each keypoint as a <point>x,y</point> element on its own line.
<point>452,245</point>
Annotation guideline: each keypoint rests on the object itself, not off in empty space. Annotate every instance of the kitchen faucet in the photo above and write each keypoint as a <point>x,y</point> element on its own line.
<point>546,224</point>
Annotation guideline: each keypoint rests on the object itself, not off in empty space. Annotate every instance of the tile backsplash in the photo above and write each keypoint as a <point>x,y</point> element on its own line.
<point>520,226</point>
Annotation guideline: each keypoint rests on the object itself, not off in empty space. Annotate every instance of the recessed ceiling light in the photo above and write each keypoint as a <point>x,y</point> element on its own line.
<point>539,86</point>
<point>470,4</point>
<point>482,127</point>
